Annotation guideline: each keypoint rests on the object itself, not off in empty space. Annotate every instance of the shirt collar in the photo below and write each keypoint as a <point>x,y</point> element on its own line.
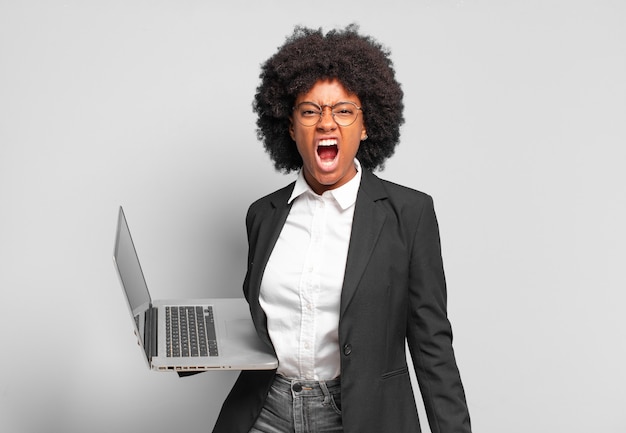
<point>345,195</point>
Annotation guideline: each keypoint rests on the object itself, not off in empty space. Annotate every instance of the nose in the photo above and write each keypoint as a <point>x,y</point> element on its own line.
<point>327,120</point>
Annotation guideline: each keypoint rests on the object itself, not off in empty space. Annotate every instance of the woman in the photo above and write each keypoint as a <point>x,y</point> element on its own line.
<point>343,267</point>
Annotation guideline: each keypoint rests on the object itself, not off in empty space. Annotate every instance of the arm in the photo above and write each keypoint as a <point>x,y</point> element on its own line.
<point>429,333</point>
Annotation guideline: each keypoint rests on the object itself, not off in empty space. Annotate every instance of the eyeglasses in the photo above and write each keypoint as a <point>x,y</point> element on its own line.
<point>310,114</point>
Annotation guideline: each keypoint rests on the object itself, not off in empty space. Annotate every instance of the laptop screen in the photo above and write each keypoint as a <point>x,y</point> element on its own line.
<point>129,269</point>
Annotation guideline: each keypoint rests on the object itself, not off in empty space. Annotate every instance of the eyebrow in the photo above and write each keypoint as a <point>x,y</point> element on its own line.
<point>329,105</point>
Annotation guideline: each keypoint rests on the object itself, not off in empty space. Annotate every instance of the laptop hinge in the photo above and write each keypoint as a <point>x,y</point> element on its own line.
<point>151,340</point>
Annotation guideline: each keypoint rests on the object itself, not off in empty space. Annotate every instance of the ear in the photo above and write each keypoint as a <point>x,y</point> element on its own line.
<point>364,133</point>
<point>291,131</point>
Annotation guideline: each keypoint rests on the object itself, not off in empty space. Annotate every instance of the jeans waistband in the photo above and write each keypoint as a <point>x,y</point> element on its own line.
<point>306,387</point>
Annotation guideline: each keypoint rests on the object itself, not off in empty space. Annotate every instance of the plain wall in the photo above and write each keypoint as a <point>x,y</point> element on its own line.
<point>515,124</point>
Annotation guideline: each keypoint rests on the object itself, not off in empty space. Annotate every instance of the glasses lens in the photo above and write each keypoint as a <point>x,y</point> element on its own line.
<point>345,113</point>
<point>308,114</point>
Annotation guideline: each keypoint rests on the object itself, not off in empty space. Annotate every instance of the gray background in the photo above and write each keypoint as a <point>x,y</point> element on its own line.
<point>515,124</point>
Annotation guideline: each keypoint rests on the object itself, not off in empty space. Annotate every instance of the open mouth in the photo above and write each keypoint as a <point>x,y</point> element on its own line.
<point>327,149</point>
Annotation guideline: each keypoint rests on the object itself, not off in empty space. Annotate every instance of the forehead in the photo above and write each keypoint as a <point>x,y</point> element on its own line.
<point>327,92</point>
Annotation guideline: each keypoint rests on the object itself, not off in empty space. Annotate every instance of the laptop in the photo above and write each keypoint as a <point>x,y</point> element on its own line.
<point>187,335</point>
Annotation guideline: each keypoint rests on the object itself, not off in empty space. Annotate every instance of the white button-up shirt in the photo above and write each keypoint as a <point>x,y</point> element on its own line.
<point>301,286</point>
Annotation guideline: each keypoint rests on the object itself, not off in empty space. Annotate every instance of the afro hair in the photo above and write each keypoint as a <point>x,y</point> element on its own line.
<point>358,62</point>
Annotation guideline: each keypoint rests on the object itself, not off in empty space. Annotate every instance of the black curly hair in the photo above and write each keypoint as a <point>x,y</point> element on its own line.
<point>358,62</point>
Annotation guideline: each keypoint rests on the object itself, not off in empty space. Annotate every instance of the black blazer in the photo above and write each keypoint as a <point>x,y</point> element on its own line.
<point>394,291</point>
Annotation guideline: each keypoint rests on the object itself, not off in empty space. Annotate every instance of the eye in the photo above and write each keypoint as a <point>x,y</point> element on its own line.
<point>309,113</point>
<point>344,110</point>
<point>308,110</point>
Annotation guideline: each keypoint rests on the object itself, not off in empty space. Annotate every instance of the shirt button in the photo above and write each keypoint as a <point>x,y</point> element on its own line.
<point>347,349</point>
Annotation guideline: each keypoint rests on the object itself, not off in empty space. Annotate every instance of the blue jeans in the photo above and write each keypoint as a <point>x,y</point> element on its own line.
<point>301,406</point>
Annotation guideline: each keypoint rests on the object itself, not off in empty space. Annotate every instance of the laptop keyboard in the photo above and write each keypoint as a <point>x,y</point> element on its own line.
<point>190,331</point>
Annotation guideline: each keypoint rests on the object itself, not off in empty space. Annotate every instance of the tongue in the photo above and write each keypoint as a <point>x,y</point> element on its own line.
<point>327,152</point>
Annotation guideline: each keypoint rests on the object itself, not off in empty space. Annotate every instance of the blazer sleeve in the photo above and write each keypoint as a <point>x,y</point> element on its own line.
<point>429,333</point>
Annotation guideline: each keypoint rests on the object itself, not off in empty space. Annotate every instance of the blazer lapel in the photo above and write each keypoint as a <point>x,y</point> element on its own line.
<point>268,232</point>
<point>367,223</point>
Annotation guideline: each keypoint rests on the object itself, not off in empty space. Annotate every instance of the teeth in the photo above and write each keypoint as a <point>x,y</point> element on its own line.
<point>328,142</point>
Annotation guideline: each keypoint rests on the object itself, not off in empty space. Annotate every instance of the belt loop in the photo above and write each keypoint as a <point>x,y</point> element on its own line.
<point>327,398</point>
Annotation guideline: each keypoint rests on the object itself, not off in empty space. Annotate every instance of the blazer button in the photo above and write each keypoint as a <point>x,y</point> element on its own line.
<point>347,349</point>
